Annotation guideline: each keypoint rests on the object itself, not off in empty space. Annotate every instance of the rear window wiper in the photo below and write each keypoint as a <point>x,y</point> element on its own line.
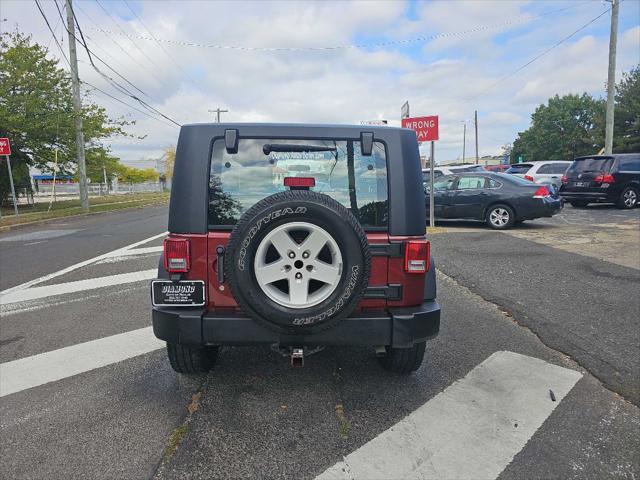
<point>267,148</point>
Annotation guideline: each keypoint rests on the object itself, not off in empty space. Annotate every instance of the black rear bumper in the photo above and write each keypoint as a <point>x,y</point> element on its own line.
<point>588,196</point>
<point>398,327</point>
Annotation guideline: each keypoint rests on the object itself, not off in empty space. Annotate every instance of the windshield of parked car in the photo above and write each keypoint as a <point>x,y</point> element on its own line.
<point>239,180</point>
<point>586,165</point>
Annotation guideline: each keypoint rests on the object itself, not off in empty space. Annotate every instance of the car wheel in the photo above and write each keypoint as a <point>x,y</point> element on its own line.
<point>578,204</point>
<point>500,217</point>
<point>403,360</point>
<point>191,359</point>
<point>298,262</point>
<point>628,198</point>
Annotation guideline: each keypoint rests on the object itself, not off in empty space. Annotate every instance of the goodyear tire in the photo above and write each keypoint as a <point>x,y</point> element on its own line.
<point>298,262</point>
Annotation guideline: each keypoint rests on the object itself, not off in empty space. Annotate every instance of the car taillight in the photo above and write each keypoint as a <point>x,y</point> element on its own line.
<point>416,256</point>
<point>604,178</point>
<point>528,177</point>
<point>541,192</point>
<point>299,182</point>
<point>564,179</point>
<point>176,255</point>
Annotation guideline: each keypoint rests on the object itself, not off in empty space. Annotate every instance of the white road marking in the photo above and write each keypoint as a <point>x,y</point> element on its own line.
<point>79,265</point>
<point>34,293</point>
<point>120,256</point>
<point>473,429</point>
<point>35,243</point>
<point>30,372</point>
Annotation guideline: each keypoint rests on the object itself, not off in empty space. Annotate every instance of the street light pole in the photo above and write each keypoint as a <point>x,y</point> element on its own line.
<point>611,79</point>
<point>77,109</point>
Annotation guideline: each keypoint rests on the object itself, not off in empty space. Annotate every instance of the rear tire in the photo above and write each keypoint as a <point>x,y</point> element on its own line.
<point>403,360</point>
<point>628,198</point>
<point>191,360</point>
<point>500,217</point>
<point>578,204</point>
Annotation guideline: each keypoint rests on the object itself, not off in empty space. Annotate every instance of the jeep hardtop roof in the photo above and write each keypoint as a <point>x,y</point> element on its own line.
<point>190,183</point>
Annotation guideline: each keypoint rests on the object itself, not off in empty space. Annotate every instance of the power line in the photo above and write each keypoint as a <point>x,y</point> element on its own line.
<point>160,44</point>
<point>112,40</point>
<point>118,86</point>
<point>84,82</point>
<point>557,44</point>
<point>124,103</point>
<point>122,30</point>
<point>516,20</point>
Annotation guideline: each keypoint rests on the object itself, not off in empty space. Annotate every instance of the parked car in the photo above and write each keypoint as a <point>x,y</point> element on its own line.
<point>603,178</point>
<point>497,168</point>
<point>255,255</point>
<point>450,169</point>
<point>498,199</point>
<point>544,172</point>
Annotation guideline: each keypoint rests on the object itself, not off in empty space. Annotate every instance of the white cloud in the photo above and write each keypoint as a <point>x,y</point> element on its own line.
<point>344,85</point>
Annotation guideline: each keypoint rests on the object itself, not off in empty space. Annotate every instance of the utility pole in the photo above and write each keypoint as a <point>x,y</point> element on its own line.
<point>611,79</point>
<point>475,122</point>
<point>464,140</point>
<point>77,109</point>
<point>218,111</point>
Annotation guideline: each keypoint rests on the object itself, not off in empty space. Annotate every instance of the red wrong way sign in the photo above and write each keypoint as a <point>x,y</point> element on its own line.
<point>5,149</point>
<point>426,128</point>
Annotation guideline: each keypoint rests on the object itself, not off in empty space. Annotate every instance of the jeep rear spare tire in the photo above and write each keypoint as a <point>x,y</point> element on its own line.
<point>298,262</point>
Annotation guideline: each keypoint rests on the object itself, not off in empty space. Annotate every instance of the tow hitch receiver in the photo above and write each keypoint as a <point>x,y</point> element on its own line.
<point>297,357</point>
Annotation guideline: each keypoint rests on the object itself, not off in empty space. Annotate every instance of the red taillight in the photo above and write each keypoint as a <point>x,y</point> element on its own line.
<point>541,192</point>
<point>564,179</point>
<point>416,256</point>
<point>176,255</point>
<point>299,182</point>
<point>604,178</point>
<point>528,177</point>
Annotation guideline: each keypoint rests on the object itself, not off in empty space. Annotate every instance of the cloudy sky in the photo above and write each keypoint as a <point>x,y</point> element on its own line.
<point>269,61</point>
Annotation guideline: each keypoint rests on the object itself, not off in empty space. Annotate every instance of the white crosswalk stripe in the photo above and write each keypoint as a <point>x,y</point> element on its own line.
<point>473,429</point>
<point>36,370</point>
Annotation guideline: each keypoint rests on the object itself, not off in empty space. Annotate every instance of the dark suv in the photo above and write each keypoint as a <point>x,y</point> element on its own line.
<point>603,178</point>
<point>296,236</point>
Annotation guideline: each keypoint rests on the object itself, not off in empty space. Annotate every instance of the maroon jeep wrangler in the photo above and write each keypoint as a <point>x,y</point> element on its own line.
<point>297,236</point>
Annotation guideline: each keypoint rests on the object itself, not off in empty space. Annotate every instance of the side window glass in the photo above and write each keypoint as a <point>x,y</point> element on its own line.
<point>560,168</point>
<point>470,183</point>
<point>546,169</point>
<point>491,183</point>
<point>630,164</point>
<point>444,183</point>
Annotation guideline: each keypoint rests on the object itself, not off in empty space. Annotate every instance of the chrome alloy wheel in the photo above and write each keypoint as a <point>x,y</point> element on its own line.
<point>630,198</point>
<point>307,265</point>
<point>499,217</point>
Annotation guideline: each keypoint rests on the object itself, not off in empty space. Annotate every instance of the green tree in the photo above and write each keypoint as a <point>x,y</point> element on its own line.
<point>36,109</point>
<point>137,175</point>
<point>564,128</point>
<point>626,128</point>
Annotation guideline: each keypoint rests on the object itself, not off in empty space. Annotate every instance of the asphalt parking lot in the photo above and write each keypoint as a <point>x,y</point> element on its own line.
<point>560,294</point>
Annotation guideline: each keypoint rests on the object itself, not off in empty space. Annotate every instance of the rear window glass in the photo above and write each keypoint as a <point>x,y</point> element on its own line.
<point>524,168</point>
<point>551,168</point>
<point>238,181</point>
<point>586,165</point>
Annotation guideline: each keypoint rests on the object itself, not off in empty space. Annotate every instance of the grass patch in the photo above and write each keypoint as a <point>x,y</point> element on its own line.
<point>67,208</point>
<point>174,441</point>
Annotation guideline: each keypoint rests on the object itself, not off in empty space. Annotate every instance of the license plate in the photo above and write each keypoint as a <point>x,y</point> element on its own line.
<point>185,293</point>
<point>580,184</point>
